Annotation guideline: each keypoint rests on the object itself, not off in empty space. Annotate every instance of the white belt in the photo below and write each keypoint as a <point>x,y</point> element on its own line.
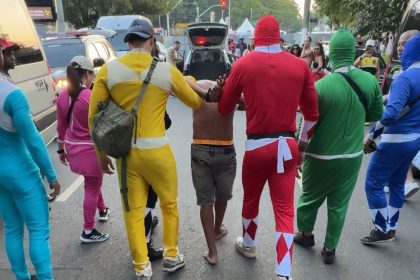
<point>399,138</point>
<point>283,149</point>
<point>150,143</point>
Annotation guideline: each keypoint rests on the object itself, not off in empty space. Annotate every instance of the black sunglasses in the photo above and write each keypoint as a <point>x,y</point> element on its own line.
<point>295,48</point>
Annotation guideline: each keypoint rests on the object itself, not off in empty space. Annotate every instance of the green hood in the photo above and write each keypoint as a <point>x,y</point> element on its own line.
<point>342,49</point>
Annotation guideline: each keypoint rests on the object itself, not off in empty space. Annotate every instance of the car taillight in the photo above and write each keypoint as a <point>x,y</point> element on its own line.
<point>201,41</point>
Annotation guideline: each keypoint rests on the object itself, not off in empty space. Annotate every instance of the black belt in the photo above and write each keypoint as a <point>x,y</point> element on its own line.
<point>270,135</point>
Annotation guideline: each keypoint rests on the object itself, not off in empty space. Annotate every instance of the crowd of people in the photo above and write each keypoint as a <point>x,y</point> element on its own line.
<point>258,83</point>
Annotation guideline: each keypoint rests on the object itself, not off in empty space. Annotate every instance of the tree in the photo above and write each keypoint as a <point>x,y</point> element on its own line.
<point>365,16</point>
<point>82,13</point>
<point>286,11</point>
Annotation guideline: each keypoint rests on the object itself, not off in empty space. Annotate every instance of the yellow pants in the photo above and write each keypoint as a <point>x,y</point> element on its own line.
<point>155,167</point>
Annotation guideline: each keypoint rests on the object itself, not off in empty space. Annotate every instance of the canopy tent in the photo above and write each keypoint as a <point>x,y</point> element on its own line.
<point>245,29</point>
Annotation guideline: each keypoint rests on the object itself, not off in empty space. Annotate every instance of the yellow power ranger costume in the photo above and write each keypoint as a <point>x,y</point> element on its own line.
<point>150,161</point>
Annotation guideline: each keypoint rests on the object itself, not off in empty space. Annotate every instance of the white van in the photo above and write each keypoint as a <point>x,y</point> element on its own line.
<point>31,72</point>
<point>120,25</point>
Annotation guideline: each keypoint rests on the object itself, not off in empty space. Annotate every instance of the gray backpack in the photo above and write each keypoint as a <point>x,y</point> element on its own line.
<point>113,128</point>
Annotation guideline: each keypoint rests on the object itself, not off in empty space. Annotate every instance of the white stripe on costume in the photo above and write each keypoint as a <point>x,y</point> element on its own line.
<point>283,149</point>
<point>118,73</point>
<point>331,157</point>
<point>399,138</point>
<point>150,143</point>
<point>269,49</point>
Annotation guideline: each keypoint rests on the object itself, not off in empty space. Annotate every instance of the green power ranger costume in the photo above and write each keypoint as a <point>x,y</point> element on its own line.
<point>335,152</point>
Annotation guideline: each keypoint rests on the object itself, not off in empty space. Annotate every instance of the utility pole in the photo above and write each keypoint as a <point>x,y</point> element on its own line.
<point>197,9</point>
<point>230,15</point>
<point>305,22</point>
<point>61,25</point>
<point>168,26</point>
<point>251,15</point>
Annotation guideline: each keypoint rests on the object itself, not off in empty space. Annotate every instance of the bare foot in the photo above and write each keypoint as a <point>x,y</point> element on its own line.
<point>218,234</point>
<point>210,260</point>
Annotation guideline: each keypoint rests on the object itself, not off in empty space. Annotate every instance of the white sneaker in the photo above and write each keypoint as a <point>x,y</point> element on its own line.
<point>410,189</point>
<point>172,264</point>
<point>248,252</point>
<point>146,273</point>
<point>386,189</point>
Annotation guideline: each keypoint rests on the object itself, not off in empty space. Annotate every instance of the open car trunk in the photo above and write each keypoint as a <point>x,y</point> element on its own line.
<point>207,64</point>
<point>204,35</point>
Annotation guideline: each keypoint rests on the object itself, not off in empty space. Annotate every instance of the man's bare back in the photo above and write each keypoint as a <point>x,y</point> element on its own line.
<point>208,123</point>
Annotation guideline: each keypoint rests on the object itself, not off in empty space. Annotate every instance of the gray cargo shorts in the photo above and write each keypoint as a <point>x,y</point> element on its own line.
<point>213,172</point>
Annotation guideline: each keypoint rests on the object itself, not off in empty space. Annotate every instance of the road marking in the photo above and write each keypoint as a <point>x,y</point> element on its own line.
<point>71,189</point>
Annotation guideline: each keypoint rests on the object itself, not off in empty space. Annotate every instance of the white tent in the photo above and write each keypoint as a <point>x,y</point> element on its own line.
<point>246,28</point>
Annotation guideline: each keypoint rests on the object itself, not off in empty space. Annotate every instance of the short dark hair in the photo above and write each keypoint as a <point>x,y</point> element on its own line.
<point>310,38</point>
<point>281,40</point>
<point>177,43</point>
<point>135,38</point>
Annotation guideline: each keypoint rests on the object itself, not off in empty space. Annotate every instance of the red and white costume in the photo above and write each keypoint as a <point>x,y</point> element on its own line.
<point>274,84</point>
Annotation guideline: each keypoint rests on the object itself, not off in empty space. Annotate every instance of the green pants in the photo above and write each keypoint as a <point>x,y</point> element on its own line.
<point>333,180</point>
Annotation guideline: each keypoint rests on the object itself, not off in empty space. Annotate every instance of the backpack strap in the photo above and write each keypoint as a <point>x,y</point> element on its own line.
<point>144,85</point>
<point>357,89</point>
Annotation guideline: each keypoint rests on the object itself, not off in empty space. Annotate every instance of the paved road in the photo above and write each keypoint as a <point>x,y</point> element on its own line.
<point>111,260</point>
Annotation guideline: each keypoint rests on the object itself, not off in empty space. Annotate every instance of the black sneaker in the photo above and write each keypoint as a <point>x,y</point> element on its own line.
<point>280,277</point>
<point>328,256</point>
<point>154,253</point>
<point>303,240</point>
<point>377,236</point>
<point>94,236</point>
<point>104,216</point>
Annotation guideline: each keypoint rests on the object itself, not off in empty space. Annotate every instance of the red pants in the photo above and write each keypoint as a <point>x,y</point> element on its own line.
<point>260,166</point>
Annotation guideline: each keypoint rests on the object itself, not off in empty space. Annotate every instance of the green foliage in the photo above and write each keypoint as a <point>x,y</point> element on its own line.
<point>81,13</point>
<point>364,16</point>
<point>286,11</point>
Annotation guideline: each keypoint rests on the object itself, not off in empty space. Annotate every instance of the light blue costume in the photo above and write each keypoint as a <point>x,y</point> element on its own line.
<point>23,199</point>
<point>400,130</point>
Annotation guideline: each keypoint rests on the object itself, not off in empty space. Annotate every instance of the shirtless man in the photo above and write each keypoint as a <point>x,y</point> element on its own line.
<point>307,51</point>
<point>213,164</point>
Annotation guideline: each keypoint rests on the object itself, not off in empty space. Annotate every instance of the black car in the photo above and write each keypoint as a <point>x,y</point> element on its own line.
<point>207,58</point>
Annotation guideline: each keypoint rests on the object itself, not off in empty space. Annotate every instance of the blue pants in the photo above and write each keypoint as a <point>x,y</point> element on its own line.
<point>23,200</point>
<point>389,165</point>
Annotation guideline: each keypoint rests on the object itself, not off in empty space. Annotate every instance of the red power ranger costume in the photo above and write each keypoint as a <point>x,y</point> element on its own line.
<point>274,84</point>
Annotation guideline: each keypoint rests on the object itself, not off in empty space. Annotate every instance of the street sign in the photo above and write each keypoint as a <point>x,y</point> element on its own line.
<point>182,25</point>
